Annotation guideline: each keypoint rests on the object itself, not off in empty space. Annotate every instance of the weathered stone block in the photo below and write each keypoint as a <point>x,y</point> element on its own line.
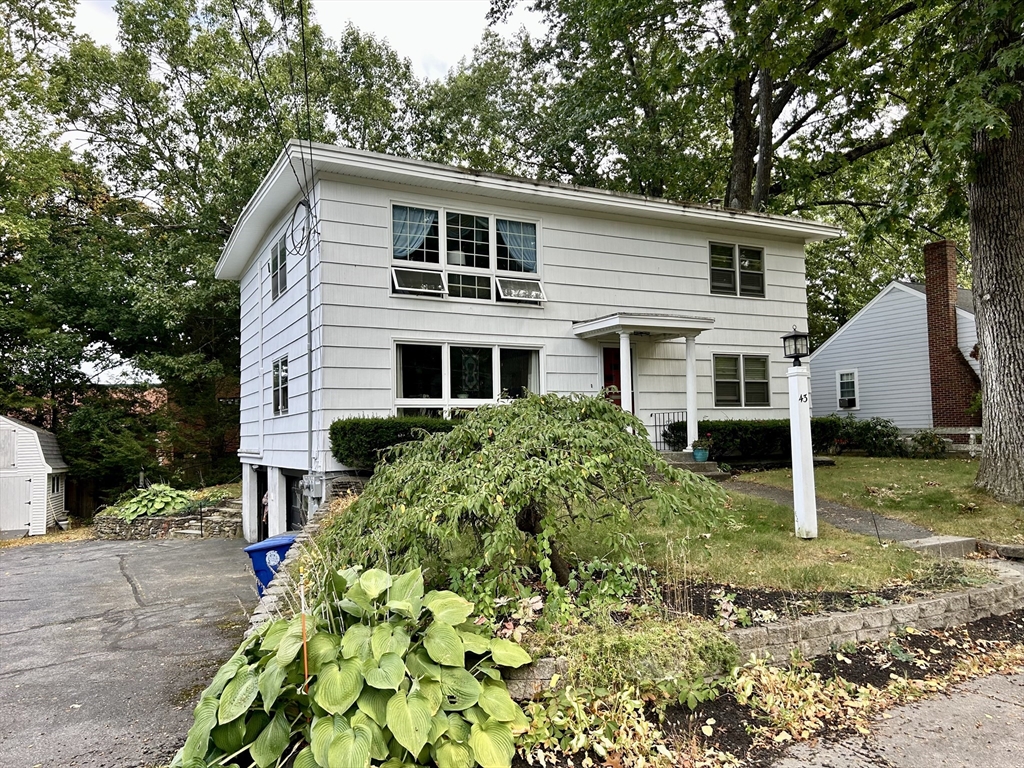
<point>529,681</point>
<point>815,627</point>
<point>957,602</point>
<point>1002,608</point>
<point>814,647</point>
<point>877,617</point>
<point>783,634</point>
<point>844,623</point>
<point>750,638</point>
<point>906,614</point>
<point>981,598</point>
<point>930,609</point>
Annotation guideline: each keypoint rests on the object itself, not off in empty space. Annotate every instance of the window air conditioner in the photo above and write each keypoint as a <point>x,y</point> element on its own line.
<point>847,402</point>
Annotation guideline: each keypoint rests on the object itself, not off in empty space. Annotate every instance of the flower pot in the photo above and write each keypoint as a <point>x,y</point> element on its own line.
<point>700,454</point>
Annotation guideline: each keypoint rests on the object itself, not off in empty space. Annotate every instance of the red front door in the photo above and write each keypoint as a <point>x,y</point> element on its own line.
<point>613,376</point>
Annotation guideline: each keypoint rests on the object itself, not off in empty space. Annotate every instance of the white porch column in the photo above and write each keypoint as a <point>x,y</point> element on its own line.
<point>250,503</point>
<point>625,372</point>
<point>277,509</point>
<point>691,391</point>
<point>804,504</point>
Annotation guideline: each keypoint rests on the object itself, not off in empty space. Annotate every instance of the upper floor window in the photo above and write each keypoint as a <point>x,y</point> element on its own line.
<point>741,381</point>
<point>478,249</point>
<point>280,386</point>
<point>278,268</point>
<point>737,270</point>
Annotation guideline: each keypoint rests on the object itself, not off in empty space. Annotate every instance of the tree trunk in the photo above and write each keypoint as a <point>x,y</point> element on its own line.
<point>528,521</point>
<point>996,197</point>
<point>764,149</point>
<point>744,147</point>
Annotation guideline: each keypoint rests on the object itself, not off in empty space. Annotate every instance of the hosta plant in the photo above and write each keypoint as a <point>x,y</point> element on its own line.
<point>387,676</point>
<point>156,500</point>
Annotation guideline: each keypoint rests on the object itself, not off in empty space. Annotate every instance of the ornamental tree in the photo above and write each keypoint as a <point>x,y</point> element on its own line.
<point>505,487</point>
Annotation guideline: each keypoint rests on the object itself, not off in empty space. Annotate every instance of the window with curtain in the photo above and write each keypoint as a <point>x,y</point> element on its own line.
<point>478,249</point>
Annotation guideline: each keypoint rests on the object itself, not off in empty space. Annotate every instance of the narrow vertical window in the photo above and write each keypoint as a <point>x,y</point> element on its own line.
<point>847,386</point>
<point>280,386</point>
<point>278,268</point>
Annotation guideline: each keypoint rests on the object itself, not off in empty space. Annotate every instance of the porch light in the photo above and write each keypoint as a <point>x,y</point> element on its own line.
<point>796,345</point>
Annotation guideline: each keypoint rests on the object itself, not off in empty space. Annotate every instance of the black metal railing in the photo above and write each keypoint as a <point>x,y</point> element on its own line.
<point>662,420</point>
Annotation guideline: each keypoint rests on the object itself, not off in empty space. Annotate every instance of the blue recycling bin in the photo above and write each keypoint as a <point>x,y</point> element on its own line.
<point>267,556</point>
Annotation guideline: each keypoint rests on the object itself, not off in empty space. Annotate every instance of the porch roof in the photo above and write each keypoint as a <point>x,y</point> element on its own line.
<point>656,327</point>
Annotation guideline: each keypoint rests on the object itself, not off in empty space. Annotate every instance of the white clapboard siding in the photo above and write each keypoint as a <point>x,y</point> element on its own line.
<point>590,267</point>
<point>24,476</point>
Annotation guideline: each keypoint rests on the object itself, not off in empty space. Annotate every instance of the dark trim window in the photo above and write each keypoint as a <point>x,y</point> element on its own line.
<point>485,258</point>
<point>278,268</point>
<point>281,386</point>
<point>448,378</point>
<point>741,381</point>
<point>737,270</point>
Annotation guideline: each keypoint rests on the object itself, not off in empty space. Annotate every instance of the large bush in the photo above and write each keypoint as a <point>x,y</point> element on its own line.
<point>376,674</point>
<point>496,495</point>
<point>358,442</point>
<point>760,439</point>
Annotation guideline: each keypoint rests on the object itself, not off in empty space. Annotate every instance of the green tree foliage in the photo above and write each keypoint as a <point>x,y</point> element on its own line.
<point>502,488</point>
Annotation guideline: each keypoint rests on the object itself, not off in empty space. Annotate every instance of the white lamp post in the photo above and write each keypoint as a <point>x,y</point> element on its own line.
<point>795,346</point>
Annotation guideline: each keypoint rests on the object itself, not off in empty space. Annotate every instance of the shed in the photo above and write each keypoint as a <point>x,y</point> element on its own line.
<point>32,479</point>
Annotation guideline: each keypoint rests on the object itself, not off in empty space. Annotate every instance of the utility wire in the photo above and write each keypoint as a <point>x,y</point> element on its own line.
<point>270,104</point>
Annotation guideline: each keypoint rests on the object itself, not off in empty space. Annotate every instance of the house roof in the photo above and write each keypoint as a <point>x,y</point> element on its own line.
<point>964,297</point>
<point>279,191</point>
<point>964,304</point>
<point>48,442</point>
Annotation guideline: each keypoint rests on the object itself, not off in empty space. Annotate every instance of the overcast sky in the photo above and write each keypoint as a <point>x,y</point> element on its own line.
<point>435,34</point>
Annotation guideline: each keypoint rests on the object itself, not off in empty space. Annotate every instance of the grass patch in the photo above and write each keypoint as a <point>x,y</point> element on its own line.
<point>758,548</point>
<point>938,494</point>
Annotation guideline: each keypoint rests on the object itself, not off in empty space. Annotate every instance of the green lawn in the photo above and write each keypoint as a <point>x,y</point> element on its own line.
<point>938,494</point>
<point>759,549</point>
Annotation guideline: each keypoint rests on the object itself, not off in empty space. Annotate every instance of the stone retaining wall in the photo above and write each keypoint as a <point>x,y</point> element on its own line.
<point>214,525</point>
<point>815,635</point>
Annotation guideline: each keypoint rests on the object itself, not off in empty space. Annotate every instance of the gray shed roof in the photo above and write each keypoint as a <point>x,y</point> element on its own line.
<point>964,297</point>
<point>48,442</point>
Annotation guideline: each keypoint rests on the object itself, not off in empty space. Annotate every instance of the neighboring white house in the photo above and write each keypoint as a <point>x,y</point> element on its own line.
<point>32,478</point>
<point>906,356</point>
<point>427,288</point>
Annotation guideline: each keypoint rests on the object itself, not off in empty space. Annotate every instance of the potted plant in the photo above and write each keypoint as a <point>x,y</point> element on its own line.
<point>701,447</point>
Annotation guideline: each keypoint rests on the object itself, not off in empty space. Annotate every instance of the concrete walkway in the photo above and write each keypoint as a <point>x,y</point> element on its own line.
<point>980,723</point>
<point>841,516</point>
<point>105,645</point>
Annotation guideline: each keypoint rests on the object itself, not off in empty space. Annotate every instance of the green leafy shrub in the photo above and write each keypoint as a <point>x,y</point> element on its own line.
<point>770,438</point>
<point>379,674</point>
<point>156,501</point>
<point>358,442</point>
<point>927,444</point>
<point>499,490</point>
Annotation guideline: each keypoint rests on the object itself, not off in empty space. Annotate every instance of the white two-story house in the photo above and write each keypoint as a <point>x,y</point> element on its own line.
<point>378,285</point>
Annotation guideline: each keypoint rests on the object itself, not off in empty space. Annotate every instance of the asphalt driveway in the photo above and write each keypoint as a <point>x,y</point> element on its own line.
<point>104,646</point>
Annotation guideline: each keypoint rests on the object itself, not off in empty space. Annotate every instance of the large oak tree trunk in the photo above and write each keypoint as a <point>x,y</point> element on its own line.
<point>996,196</point>
<point>744,146</point>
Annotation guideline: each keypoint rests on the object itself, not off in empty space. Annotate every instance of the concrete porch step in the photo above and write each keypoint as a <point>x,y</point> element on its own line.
<point>185,533</point>
<point>943,546</point>
<point>709,469</point>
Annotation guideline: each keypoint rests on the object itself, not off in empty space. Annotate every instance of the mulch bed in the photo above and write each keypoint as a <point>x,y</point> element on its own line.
<point>913,656</point>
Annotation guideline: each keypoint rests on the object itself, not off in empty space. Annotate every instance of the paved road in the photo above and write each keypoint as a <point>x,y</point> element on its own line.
<point>104,646</point>
<point>980,724</point>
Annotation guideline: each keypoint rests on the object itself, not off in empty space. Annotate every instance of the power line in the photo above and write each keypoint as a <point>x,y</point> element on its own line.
<point>270,104</point>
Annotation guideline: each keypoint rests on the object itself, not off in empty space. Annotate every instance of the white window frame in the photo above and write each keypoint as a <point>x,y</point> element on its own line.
<point>445,268</point>
<point>741,356</point>
<point>278,276</point>
<point>418,291</point>
<point>738,272</point>
<point>54,484</point>
<point>856,389</point>
<point>448,402</point>
<point>279,405</point>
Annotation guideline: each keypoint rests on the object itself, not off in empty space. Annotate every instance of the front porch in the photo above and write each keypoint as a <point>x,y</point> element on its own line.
<point>624,329</point>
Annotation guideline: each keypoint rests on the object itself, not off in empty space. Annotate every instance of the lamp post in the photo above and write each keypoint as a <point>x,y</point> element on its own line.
<point>796,345</point>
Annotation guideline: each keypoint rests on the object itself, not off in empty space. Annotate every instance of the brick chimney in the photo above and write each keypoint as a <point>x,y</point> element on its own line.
<point>954,382</point>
